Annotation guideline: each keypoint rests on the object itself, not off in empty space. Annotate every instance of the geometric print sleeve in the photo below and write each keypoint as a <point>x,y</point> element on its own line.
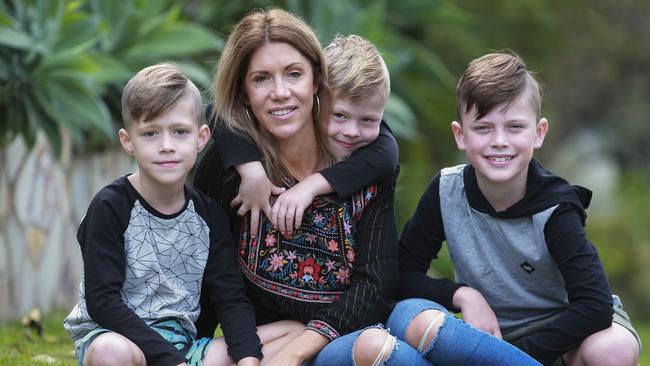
<point>101,236</point>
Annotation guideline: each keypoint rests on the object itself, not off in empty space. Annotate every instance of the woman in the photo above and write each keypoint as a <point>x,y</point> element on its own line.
<point>338,273</point>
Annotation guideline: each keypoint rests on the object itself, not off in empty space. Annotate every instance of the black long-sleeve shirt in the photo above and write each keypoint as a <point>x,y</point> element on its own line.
<point>365,166</point>
<point>141,266</point>
<point>336,274</point>
<point>589,298</point>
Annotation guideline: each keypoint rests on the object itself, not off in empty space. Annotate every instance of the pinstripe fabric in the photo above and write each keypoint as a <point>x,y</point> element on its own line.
<point>337,274</point>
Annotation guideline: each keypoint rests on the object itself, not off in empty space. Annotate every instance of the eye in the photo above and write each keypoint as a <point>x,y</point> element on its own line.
<point>518,126</point>
<point>182,131</point>
<point>260,79</point>
<point>149,133</point>
<point>368,120</point>
<point>295,74</point>
<point>480,128</point>
<point>338,116</point>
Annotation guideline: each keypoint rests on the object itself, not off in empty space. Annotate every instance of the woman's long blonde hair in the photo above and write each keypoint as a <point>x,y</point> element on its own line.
<point>252,32</point>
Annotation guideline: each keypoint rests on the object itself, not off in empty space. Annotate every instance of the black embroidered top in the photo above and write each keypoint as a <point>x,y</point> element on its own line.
<point>337,273</point>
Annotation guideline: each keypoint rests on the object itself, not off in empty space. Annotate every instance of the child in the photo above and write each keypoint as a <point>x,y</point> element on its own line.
<point>150,243</point>
<point>360,84</point>
<point>421,332</point>
<point>515,231</point>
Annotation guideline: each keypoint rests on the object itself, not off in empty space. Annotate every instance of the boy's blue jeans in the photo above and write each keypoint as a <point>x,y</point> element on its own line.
<point>456,343</point>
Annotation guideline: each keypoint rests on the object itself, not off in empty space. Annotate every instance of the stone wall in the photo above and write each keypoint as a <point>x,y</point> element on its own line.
<point>42,201</point>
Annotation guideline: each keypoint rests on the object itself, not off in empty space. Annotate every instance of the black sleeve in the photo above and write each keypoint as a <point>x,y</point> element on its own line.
<point>590,297</point>
<point>366,165</point>
<point>225,287</point>
<point>234,148</point>
<point>101,236</point>
<point>419,244</point>
<point>373,281</point>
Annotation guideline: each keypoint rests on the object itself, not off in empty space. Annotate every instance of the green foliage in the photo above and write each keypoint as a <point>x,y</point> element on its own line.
<point>63,63</point>
<point>623,242</point>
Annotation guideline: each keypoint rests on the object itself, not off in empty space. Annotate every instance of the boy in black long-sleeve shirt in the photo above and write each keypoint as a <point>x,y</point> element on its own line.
<point>515,231</point>
<point>150,243</point>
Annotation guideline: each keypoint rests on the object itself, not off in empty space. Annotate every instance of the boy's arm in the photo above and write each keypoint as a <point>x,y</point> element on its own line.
<point>102,244</point>
<point>234,148</point>
<point>419,244</point>
<point>225,286</point>
<point>364,166</point>
<point>238,151</point>
<point>590,297</point>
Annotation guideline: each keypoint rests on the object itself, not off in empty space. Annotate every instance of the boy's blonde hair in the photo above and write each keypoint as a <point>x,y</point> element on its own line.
<point>493,79</point>
<point>356,69</point>
<point>155,89</point>
<point>255,30</point>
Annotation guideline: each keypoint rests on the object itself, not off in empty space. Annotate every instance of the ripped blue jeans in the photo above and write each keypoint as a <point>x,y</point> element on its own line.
<point>455,344</point>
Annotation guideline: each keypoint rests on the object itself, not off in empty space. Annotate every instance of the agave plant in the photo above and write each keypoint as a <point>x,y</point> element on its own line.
<point>63,63</point>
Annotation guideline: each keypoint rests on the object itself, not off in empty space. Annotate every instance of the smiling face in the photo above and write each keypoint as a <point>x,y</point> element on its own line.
<point>166,146</point>
<point>280,89</point>
<point>354,124</point>
<point>500,144</point>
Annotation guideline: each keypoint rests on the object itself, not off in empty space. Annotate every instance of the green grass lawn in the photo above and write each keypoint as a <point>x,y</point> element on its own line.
<point>19,347</point>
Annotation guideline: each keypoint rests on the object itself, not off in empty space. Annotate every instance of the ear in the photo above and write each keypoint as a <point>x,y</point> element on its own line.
<point>457,129</point>
<point>540,132</point>
<point>125,140</point>
<point>203,137</point>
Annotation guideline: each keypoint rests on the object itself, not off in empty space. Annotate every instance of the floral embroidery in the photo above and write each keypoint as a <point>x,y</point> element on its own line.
<point>333,245</point>
<point>323,328</point>
<point>343,276</point>
<point>270,241</point>
<point>315,264</point>
<point>277,262</point>
<point>330,265</point>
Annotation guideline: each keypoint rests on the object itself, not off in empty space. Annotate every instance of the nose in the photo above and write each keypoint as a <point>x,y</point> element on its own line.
<point>500,138</point>
<point>166,144</point>
<point>351,130</point>
<point>280,89</point>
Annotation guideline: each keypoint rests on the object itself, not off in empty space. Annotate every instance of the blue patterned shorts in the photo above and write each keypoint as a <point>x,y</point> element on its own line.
<point>195,349</point>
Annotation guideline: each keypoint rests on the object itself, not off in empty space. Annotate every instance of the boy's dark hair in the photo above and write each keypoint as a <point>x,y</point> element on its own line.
<point>493,79</point>
<point>155,89</point>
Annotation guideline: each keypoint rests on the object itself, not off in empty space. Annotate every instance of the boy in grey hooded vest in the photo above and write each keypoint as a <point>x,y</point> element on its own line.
<point>515,232</point>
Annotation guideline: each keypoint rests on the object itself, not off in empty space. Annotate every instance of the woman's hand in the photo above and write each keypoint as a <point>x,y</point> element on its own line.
<point>255,190</point>
<point>302,348</point>
<point>248,361</point>
<point>476,311</point>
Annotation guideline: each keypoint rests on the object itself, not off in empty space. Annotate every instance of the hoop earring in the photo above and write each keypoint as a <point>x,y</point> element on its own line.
<point>317,105</point>
<point>248,115</point>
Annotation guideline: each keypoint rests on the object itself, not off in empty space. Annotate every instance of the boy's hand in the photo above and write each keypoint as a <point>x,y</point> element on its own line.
<point>476,311</point>
<point>289,207</point>
<point>255,190</point>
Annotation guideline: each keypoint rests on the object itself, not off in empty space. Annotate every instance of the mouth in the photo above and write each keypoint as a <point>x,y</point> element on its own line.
<point>282,112</point>
<point>167,163</point>
<point>500,159</point>
<point>347,145</point>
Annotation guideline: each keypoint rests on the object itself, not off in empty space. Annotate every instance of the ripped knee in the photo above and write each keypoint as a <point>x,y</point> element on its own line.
<point>424,328</point>
<point>373,347</point>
